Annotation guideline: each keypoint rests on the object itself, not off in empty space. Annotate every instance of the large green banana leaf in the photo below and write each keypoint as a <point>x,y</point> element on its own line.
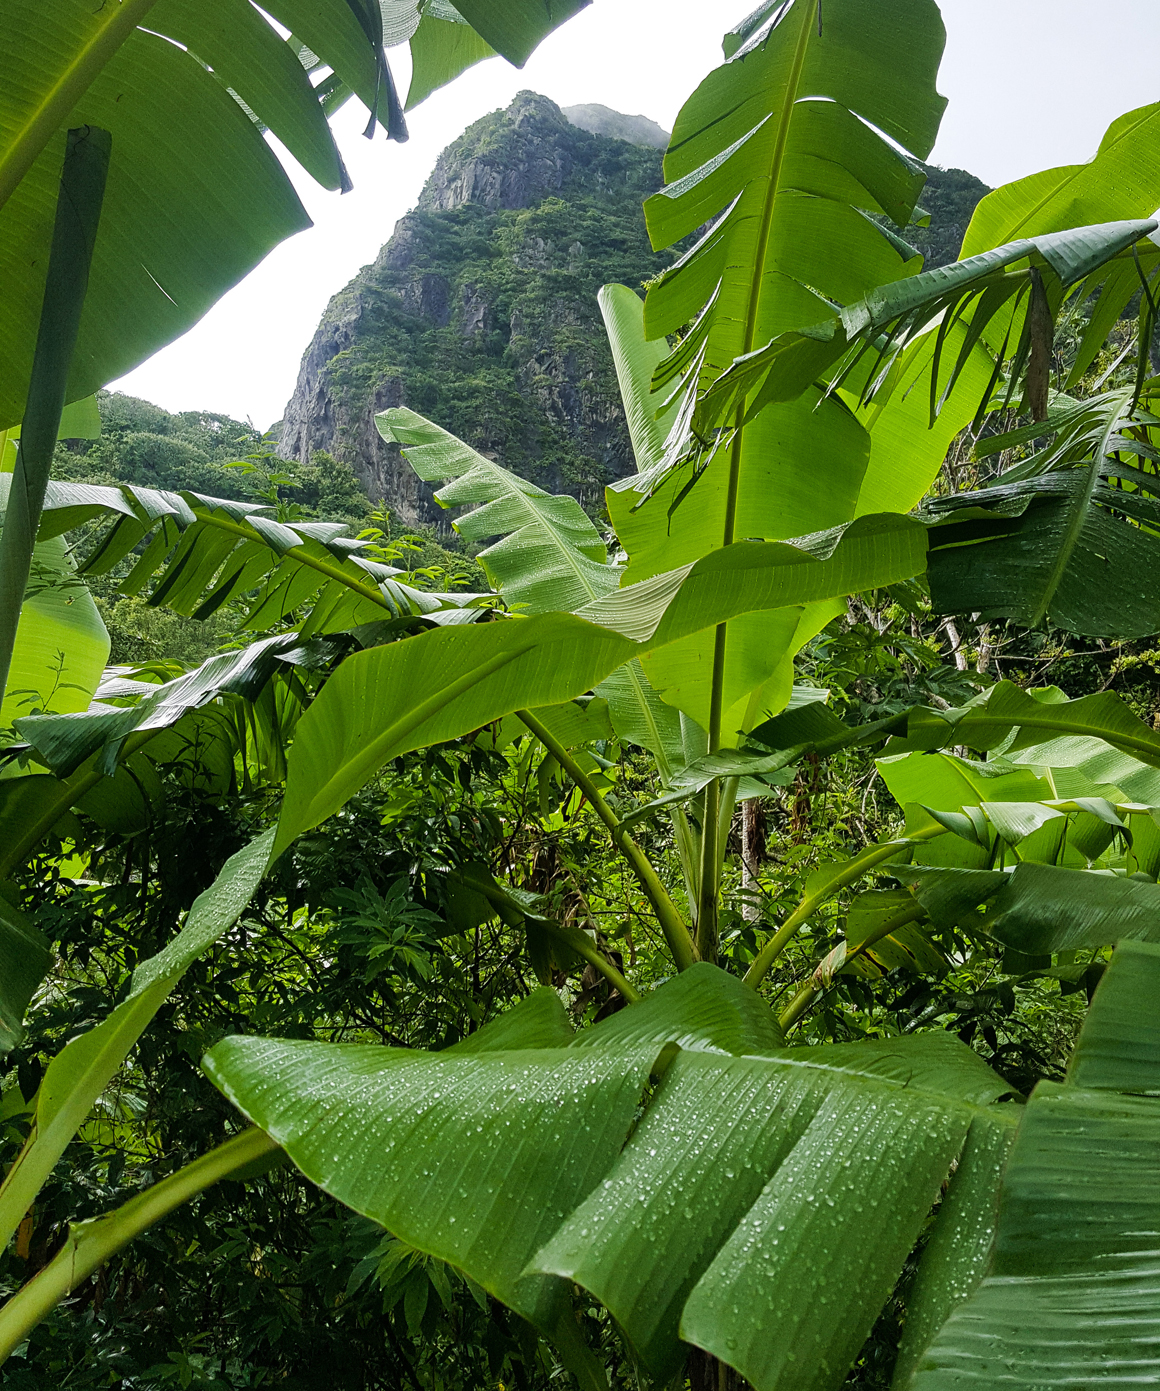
<point>1069,1293</point>
<point>774,138</point>
<point>64,742</point>
<point>24,960</point>
<point>549,556</point>
<point>760,648</point>
<point>194,199</point>
<point>1015,721</point>
<point>1040,909</point>
<point>61,644</point>
<point>443,684</point>
<point>447,39</point>
<point>1122,182</point>
<point>1065,534</point>
<point>515,27</point>
<point>1062,779</point>
<point>1043,801</point>
<point>1040,744</point>
<point>893,314</point>
<point>648,413</point>
<point>201,551</point>
<point>442,46</point>
<point>222,725</point>
<point>733,1215</point>
<point>779,142</point>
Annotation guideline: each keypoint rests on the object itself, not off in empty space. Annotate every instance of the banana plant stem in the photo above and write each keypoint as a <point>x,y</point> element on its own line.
<point>78,212</point>
<point>584,947</point>
<point>805,996</point>
<point>572,937</point>
<point>91,1243</point>
<point>810,903</point>
<point>676,934</point>
<point>710,873</point>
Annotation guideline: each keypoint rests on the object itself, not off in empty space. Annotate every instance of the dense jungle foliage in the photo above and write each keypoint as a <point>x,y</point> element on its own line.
<point>706,943</point>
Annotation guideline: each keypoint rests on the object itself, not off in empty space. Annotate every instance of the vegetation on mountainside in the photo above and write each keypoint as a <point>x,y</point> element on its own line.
<point>675,962</point>
<point>481,311</point>
<point>141,444</point>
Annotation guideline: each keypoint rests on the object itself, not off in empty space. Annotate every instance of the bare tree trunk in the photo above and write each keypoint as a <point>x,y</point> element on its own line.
<point>956,643</point>
<point>752,854</point>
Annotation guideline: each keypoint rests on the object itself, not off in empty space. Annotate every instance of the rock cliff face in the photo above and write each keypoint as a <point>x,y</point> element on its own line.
<point>480,312</point>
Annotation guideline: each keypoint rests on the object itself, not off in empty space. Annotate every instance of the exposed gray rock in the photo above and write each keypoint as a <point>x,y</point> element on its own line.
<point>480,312</point>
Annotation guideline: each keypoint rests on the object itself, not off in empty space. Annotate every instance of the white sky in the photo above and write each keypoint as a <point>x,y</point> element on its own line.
<point>1031,83</point>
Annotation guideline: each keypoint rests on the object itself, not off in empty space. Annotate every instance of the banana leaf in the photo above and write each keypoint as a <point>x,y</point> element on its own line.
<point>513,1164</point>
<point>1069,1292</point>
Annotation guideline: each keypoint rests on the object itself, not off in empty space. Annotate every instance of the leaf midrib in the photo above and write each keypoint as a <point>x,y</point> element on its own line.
<point>568,553</point>
<point>48,115</point>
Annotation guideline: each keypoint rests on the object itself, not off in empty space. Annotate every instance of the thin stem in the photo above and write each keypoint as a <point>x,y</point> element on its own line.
<point>91,1243</point>
<point>711,842</point>
<point>680,944</point>
<point>78,211</point>
<point>710,872</point>
<point>804,998</point>
<point>810,903</point>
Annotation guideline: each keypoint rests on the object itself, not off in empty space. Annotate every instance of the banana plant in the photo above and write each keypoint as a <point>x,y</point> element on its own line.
<point>1037,848</point>
<point>535,1160</point>
<point>1061,1299</point>
<point>1076,521</point>
<point>523,1158</point>
<point>1120,183</point>
<point>776,152</point>
<point>733,1214</point>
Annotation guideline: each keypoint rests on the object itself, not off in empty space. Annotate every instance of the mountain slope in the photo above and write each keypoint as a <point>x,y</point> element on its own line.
<point>480,311</point>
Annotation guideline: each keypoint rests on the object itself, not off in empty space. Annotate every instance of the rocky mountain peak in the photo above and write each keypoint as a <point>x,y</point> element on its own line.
<point>513,163</point>
<point>480,312</point>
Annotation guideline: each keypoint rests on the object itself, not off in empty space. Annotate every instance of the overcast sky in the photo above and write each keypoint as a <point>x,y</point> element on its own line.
<point>1031,83</point>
